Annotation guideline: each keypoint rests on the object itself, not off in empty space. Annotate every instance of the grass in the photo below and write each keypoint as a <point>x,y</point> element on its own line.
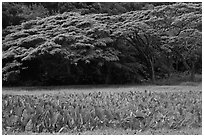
<point>177,82</point>
<point>180,79</point>
<point>88,89</point>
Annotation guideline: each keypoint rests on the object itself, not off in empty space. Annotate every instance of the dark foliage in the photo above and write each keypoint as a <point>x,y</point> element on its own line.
<point>147,43</point>
<point>14,13</point>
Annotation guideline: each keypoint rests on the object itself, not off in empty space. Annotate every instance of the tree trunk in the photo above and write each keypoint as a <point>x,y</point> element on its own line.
<point>152,71</point>
<point>107,79</point>
<point>190,69</point>
<point>185,64</point>
<point>176,65</point>
<point>169,65</point>
<point>193,72</point>
<point>68,69</point>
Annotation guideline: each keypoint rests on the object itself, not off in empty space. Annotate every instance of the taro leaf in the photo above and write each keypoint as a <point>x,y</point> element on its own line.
<point>188,116</point>
<point>72,122</point>
<point>87,117</point>
<point>98,113</point>
<point>59,122</point>
<point>148,122</point>
<point>29,109</point>
<point>117,116</point>
<point>136,124</point>
<point>18,111</point>
<point>125,125</point>
<point>29,125</point>
<point>40,127</point>
<point>25,113</point>
<point>140,114</point>
<point>5,114</point>
<point>189,119</point>
<point>25,117</point>
<point>12,120</point>
<point>171,122</point>
<point>55,117</point>
<point>159,116</point>
<point>64,129</point>
<point>4,103</point>
<point>65,116</point>
<point>108,114</point>
<point>39,109</point>
<point>81,119</point>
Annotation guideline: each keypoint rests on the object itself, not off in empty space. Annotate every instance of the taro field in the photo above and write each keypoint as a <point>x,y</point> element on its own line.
<point>138,111</point>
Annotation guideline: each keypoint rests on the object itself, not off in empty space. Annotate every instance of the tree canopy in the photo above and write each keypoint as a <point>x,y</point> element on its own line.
<point>78,48</point>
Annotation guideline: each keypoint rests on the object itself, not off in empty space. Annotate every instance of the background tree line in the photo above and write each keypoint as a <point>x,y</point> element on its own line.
<point>99,43</point>
<point>14,13</point>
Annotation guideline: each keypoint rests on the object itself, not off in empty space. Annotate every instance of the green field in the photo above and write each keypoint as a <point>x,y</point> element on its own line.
<point>102,88</point>
<point>103,110</point>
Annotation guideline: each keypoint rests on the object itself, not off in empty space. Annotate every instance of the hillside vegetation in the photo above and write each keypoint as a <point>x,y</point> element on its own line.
<point>77,48</point>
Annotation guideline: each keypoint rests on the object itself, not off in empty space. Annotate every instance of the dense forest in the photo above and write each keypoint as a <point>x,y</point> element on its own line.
<point>99,43</point>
